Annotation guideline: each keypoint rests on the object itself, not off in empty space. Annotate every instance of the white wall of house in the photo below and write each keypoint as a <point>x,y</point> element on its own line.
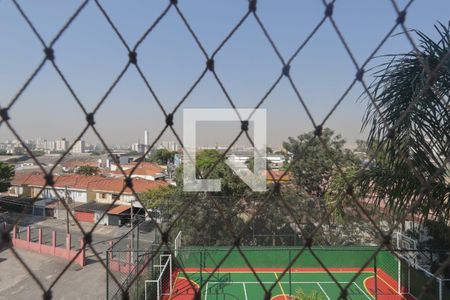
<point>75,194</point>
<point>127,198</point>
<point>15,191</point>
<point>102,221</point>
<point>105,197</point>
<point>49,193</point>
<point>78,196</point>
<point>149,177</point>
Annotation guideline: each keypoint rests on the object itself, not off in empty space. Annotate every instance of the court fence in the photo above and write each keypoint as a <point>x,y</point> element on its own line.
<point>156,271</point>
<point>415,278</point>
<point>389,267</point>
<point>162,285</point>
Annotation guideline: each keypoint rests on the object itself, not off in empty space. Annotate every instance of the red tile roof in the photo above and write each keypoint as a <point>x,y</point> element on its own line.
<point>28,178</point>
<point>76,163</point>
<point>116,185</point>
<point>144,169</point>
<point>22,178</point>
<point>83,182</point>
<point>118,209</point>
<point>76,181</point>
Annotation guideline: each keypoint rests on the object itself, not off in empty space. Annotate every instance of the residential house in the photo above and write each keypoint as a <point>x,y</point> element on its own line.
<point>19,184</point>
<point>107,190</point>
<point>74,165</point>
<point>144,170</point>
<point>90,197</point>
<point>72,186</point>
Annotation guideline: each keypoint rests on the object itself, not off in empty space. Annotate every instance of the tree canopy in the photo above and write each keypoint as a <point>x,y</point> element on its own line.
<point>409,125</point>
<point>313,166</point>
<point>162,156</point>
<point>6,175</point>
<point>87,170</point>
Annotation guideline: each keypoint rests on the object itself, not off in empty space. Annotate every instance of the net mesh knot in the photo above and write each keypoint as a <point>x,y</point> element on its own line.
<point>329,10</point>
<point>401,17</point>
<point>252,5</point>
<point>49,54</point>
<point>4,114</point>
<point>132,56</point>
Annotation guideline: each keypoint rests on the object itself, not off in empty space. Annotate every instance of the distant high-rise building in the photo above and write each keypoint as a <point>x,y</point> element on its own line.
<point>61,145</point>
<point>79,147</point>
<point>138,147</point>
<point>146,138</point>
<point>169,145</point>
<point>41,144</point>
<point>51,145</point>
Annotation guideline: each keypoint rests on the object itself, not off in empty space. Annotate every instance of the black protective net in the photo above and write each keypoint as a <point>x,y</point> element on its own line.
<point>277,204</point>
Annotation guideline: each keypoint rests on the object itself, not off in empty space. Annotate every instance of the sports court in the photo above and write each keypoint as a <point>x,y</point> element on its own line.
<point>242,284</point>
<point>381,275</point>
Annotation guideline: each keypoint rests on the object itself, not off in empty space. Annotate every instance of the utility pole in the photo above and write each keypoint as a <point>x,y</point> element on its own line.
<point>132,231</point>
<point>66,198</point>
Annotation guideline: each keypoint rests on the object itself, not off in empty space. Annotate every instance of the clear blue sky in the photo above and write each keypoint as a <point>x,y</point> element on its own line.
<point>91,56</point>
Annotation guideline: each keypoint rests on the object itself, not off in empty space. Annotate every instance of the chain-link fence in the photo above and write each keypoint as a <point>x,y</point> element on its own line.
<point>306,218</point>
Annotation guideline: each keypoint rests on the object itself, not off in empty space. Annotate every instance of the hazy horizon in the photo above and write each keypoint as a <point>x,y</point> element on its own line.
<point>91,56</point>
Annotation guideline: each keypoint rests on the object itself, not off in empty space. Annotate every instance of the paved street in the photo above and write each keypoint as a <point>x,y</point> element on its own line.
<point>76,283</point>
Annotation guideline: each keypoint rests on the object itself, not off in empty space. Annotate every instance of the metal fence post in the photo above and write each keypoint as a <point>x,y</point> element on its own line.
<point>290,278</point>
<point>376,277</point>
<point>107,274</point>
<point>201,267</point>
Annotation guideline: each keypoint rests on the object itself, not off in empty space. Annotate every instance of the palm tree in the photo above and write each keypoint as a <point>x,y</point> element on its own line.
<point>411,94</point>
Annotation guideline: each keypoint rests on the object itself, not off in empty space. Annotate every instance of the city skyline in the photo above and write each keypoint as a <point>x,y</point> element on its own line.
<point>247,66</point>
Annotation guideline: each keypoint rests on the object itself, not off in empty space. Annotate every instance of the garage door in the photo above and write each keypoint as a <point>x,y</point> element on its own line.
<point>84,216</point>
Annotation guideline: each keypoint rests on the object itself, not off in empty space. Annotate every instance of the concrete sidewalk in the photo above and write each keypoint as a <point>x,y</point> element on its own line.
<point>76,283</point>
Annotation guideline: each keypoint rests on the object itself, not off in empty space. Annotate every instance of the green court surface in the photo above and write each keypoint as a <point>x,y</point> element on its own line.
<point>356,273</point>
<point>242,284</point>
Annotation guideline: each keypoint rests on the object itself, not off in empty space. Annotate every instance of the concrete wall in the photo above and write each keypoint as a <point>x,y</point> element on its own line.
<point>17,191</point>
<point>66,253</point>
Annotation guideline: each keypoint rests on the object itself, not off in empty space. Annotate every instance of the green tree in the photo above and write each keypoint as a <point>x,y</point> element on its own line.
<point>336,194</point>
<point>313,166</point>
<point>361,146</point>
<point>319,183</point>
<point>163,201</point>
<point>87,170</point>
<point>162,156</point>
<point>210,161</point>
<point>203,223</point>
<point>271,226</point>
<point>208,216</point>
<point>154,198</point>
<point>414,152</point>
<point>38,152</point>
<point>6,175</point>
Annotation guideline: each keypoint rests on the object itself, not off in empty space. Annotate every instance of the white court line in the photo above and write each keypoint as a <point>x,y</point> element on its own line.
<point>362,291</point>
<point>326,295</point>
<point>206,292</point>
<point>245,291</point>
<point>271,282</point>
